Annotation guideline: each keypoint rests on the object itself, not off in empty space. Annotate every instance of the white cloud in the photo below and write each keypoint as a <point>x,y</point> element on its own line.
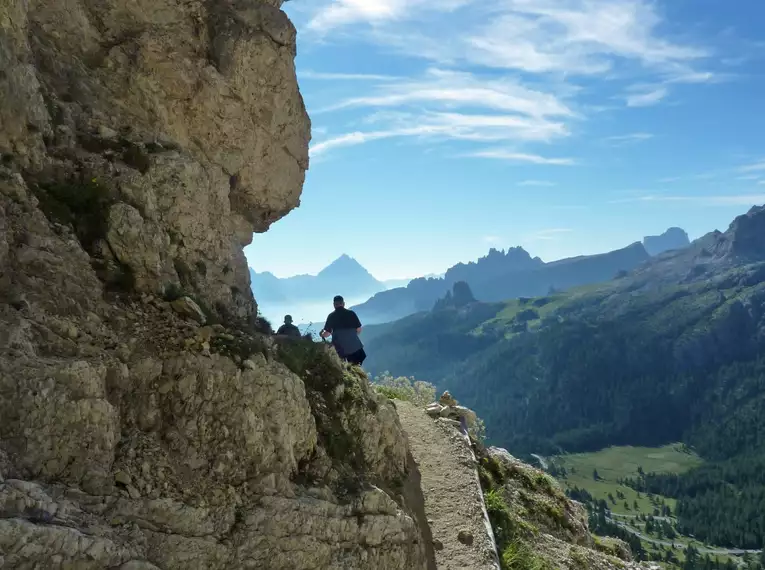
<point>718,200</point>
<point>461,89</point>
<point>338,13</point>
<point>619,140</point>
<point>540,183</point>
<point>332,76</point>
<point>709,175</point>
<point>445,105</point>
<point>444,126</point>
<point>357,138</point>
<point>547,41</point>
<point>343,12</point>
<point>575,37</point>
<point>491,239</point>
<point>522,157</point>
<point>546,235</point>
<point>755,167</point>
<point>647,98</point>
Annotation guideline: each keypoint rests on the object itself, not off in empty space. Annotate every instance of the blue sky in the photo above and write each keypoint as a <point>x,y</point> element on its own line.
<point>443,128</point>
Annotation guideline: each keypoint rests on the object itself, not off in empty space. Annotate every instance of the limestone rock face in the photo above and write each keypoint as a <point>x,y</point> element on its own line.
<point>144,423</point>
<point>131,437</point>
<point>170,131</point>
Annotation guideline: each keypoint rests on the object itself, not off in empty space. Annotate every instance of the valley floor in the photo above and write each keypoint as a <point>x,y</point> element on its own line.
<point>599,474</point>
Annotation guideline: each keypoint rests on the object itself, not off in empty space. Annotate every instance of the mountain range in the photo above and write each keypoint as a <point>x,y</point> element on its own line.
<point>514,273</point>
<point>673,350</point>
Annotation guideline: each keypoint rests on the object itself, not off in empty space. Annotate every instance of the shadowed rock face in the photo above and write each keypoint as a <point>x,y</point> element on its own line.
<point>141,144</point>
<point>183,120</point>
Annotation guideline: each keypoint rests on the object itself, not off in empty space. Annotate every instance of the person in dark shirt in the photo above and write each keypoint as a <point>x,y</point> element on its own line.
<point>288,329</point>
<point>344,327</point>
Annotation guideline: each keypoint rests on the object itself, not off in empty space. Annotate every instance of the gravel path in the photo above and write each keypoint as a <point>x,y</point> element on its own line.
<point>453,498</point>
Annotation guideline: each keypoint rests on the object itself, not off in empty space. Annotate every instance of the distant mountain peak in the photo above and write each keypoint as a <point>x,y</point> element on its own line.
<point>344,264</point>
<point>672,239</point>
<point>746,234</point>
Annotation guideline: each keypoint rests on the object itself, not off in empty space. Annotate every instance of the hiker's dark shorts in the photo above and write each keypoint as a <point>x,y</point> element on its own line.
<point>357,357</point>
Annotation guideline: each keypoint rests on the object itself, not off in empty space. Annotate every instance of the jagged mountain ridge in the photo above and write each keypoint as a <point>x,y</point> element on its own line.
<point>734,257</point>
<point>503,275</point>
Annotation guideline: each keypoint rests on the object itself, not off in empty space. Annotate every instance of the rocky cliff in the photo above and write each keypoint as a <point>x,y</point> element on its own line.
<point>165,133</point>
<point>145,422</point>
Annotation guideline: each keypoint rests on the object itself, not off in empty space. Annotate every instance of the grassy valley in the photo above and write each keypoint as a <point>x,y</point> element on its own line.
<point>600,473</point>
<point>598,479</point>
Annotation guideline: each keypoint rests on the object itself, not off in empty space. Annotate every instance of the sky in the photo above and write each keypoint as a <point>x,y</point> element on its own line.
<point>441,129</point>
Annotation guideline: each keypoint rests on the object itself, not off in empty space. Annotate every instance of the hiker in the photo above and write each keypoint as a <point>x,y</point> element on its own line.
<point>288,329</point>
<point>344,327</point>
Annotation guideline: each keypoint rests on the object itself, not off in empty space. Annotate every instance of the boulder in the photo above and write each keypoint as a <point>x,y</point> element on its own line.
<point>188,308</point>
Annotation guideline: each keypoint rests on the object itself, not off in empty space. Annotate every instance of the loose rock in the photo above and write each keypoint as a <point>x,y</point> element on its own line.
<point>187,307</point>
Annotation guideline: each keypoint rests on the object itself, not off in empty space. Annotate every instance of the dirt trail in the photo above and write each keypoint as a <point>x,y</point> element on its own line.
<point>453,498</point>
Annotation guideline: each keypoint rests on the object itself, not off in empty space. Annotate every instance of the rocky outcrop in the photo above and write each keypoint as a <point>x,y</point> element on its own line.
<point>746,235</point>
<point>145,423</point>
<point>165,133</point>
<point>672,239</point>
<point>536,525</point>
<point>133,437</point>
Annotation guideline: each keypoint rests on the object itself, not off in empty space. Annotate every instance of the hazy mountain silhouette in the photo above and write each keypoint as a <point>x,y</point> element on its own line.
<point>344,276</point>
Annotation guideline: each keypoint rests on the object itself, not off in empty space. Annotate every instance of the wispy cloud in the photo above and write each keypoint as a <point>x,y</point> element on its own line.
<point>444,87</point>
<point>541,183</point>
<point>337,13</point>
<point>718,200</point>
<point>457,106</point>
<point>549,234</point>
<point>332,76</point>
<point>576,37</point>
<point>522,157</point>
<point>491,239</point>
<point>511,66</point>
<point>709,175</point>
<point>620,140</point>
<point>755,167</point>
<point>647,98</point>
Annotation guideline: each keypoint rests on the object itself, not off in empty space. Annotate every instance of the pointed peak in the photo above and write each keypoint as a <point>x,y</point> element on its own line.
<point>344,260</point>
<point>345,265</point>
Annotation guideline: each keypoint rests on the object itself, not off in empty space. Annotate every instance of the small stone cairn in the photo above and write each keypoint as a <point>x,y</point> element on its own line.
<point>448,410</point>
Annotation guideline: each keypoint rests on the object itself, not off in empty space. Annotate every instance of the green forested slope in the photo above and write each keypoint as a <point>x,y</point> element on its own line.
<point>673,352</point>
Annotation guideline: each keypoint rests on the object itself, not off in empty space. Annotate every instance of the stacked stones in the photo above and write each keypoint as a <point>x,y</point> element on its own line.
<point>449,411</point>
